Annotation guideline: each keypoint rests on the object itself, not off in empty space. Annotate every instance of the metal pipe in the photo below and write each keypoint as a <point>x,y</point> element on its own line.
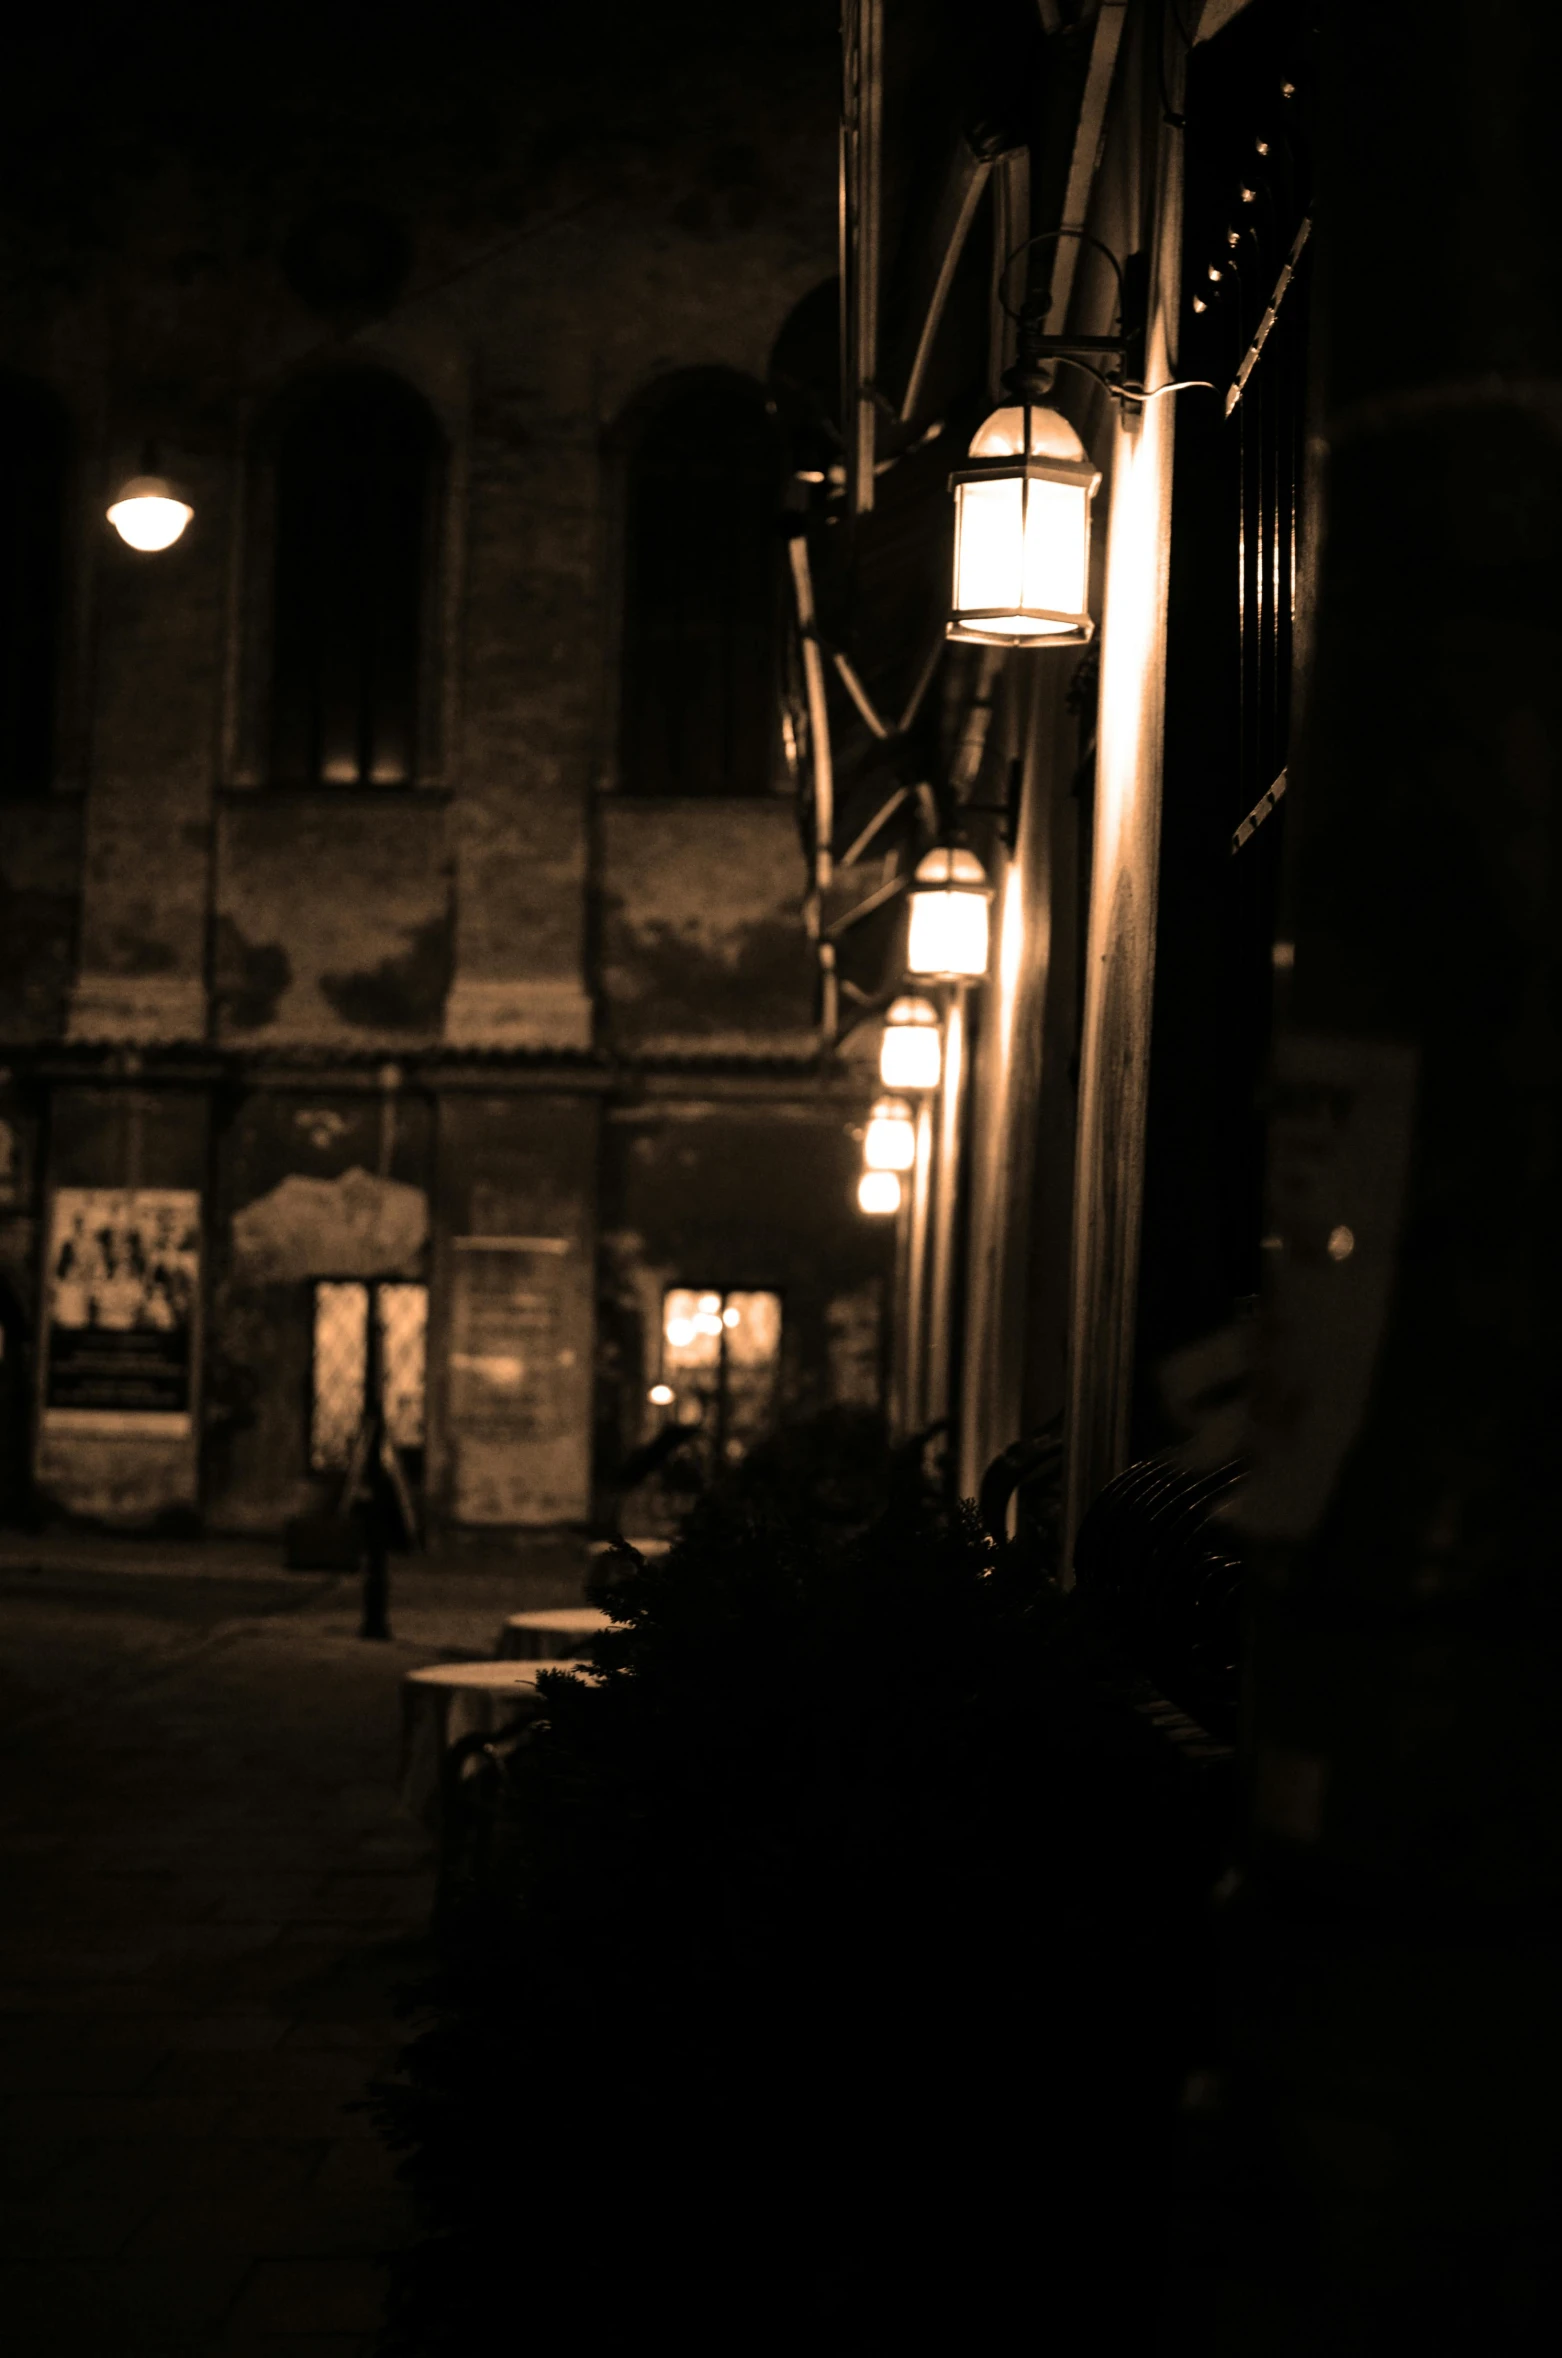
<point>818,711</point>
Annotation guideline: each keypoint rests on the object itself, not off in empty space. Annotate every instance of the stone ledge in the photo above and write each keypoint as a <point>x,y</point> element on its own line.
<point>484,1014</point>
<point>142,1009</point>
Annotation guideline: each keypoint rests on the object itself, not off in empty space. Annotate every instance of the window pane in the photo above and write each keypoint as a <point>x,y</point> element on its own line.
<point>702,594</point>
<point>341,1339</point>
<point>403,1359</point>
<point>353,472</point>
<point>752,1329</point>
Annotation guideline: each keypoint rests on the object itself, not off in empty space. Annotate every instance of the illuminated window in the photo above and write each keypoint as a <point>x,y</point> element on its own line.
<point>341,1366</point>
<point>721,1362</point>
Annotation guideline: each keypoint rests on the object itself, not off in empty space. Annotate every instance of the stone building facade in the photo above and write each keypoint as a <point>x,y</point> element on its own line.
<point>383,980</point>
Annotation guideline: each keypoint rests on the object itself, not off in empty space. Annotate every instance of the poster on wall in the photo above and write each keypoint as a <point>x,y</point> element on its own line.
<point>517,1407</point>
<point>121,1291</point>
<point>505,1335</point>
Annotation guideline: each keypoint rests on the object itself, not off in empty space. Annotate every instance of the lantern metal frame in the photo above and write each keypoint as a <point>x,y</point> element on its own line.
<point>1076,630</point>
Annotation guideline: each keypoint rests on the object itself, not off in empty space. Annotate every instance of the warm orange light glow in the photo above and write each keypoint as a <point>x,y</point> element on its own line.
<point>891,1140</point>
<point>949,897</point>
<point>661,1395</point>
<point>911,1053</point>
<point>148,515</point>
<point>878,1192</point>
<point>1022,532</point>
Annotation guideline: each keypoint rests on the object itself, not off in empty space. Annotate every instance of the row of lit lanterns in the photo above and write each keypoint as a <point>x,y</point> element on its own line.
<point>947,942</point>
<point>1021,575</point>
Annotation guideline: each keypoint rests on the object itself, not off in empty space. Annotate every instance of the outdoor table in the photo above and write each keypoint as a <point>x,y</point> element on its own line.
<point>449,1700</point>
<point>550,1633</point>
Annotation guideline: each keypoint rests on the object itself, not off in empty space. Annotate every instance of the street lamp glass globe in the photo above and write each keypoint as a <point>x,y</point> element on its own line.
<point>878,1193</point>
<point>911,1053</point>
<point>949,897</point>
<point>147,513</point>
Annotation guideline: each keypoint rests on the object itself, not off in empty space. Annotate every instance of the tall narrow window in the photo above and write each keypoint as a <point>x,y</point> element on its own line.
<point>355,472</point>
<point>701,583</point>
<point>32,512</point>
<point>342,1359</point>
<point>721,1362</point>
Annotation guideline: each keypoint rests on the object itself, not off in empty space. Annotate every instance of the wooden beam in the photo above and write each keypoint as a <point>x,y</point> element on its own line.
<point>1085,156</point>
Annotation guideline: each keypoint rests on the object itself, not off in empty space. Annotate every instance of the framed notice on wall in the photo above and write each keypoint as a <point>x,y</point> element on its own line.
<point>505,1321</point>
<point>517,1401</point>
<point>121,1299</point>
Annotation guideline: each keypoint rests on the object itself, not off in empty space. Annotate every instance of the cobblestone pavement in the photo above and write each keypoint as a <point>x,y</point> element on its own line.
<point>210,1900</point>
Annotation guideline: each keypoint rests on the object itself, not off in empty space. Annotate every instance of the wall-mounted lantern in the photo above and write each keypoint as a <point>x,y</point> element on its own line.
<point>878,1193</point>
<point>148,513</point>
<point>949,921</point>
<point>890,1142</point>
<point>1022,532</point>
<point>911,1053</point>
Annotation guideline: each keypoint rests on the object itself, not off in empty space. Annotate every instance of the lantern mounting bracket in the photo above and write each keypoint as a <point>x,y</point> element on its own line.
<point>1031,376</point>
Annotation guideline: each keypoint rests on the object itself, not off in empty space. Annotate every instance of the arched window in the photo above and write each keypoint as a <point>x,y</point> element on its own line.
<point>355,478</point>
<point>700,592</point>
<point>32,516</point>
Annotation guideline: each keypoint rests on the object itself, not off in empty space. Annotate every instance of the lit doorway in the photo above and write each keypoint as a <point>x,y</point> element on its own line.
<point>340,1369</point>
<point>721,1365</point>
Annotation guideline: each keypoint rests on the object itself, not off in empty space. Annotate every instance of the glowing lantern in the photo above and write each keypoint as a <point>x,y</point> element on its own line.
<point>911,1053</point>
<point>148,514</point>
<point>878,1192</point>
<point>661,1395</point>
<point>891,1140</point>
<point>1022,532</point>
<point>949,897</point>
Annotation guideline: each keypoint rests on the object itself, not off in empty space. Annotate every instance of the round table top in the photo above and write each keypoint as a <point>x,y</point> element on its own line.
<point>487,1677</point>
<point>577,1620</point>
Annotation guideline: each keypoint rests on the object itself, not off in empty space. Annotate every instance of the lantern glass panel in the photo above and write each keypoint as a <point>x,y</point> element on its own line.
<point>891,1140</point>
<point>1021,546</point>
<point>878,1192</point>
<point>948,933</point>
<point>911,1056</point>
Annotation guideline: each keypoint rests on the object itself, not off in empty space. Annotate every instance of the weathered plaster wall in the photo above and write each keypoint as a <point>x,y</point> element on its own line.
<point>40,902</point>
<point>310,1183</point>
<point>333,918</point>
<point>702,938</point>
<point>159,647</point>
<point>511,1344</point>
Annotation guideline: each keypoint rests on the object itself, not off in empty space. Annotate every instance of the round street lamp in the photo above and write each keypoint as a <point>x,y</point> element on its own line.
<point>1022,532</point>
<point>911,1053</point>
<point>949,897</point>
<point>148,513</point>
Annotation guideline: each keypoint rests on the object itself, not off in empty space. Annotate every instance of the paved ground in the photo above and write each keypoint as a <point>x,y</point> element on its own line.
<point>209,1897</point>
